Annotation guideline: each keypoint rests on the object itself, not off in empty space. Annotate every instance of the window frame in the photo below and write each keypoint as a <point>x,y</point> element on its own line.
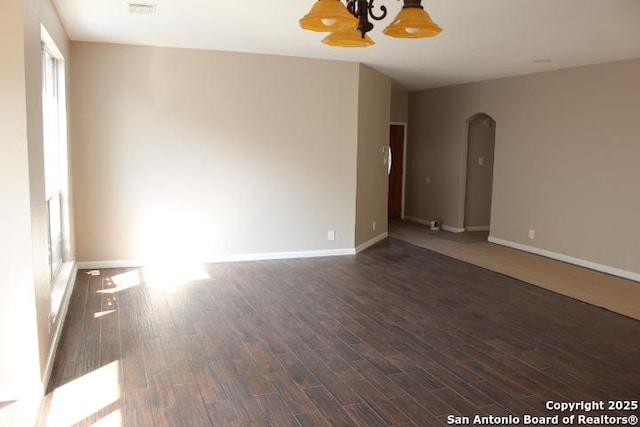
<point>55,154</point>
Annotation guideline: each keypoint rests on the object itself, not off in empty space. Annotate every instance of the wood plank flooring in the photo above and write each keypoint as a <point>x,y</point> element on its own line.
<point>600,289</point>
<point>395,336</point>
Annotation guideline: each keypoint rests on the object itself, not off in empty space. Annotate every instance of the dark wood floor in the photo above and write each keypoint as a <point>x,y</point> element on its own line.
<point>397,335</point>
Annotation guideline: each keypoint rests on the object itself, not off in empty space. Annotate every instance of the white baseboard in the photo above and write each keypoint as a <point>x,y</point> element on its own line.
<point>417,220</point>
<point>282,255</point>
<point>427,223</point>
<point>224,258</point>
<point>371,242</point>
<point>123,263</point>
<point>452,229</point>
<point>477,228</point>
<point>59,323</point>
<point>569,259</point>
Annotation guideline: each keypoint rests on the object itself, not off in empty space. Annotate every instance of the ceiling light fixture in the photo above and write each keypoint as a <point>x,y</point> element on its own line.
<point>350,24</point>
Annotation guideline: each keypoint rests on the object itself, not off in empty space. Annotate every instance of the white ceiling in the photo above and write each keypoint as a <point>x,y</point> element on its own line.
<point>482,39</point>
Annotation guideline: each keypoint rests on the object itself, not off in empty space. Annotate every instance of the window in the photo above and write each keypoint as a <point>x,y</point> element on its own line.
<point>55,150</point>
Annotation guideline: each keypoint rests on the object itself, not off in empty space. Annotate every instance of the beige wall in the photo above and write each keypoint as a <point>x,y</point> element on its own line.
<point>565,160</point>
<point>24,285</point>
<point>399,104</point>
<point>195,154</point>
<point>19,365</point>
<point>373,133</point>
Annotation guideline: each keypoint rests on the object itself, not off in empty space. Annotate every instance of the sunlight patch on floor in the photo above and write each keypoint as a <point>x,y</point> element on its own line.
<point>99,314</point>
<point>20,413</point>
<point>168,276</point>
<point>122,281</point>
<point>113,419</point>
<point>88,395</point>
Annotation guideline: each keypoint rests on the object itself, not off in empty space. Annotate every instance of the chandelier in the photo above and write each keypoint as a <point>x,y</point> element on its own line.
<point>350,24</point>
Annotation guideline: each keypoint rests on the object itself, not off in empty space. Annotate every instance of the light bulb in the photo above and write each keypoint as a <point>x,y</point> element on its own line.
<point>412,30</point>
<point>329,22</point>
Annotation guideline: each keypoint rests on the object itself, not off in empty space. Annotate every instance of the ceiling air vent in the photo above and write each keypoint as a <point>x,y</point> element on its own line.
<point>142,9</point>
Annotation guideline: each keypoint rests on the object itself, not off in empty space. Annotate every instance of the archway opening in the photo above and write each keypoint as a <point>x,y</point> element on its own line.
<point>479,172</point>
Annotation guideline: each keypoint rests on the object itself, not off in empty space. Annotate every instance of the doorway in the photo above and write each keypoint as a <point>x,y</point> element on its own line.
<point>479,183</point>
<point>396,172</point>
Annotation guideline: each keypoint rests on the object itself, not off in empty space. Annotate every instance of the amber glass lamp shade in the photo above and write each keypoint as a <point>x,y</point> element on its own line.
<point>328,16</point>
<point>411,23</point>
<point>348,38</point>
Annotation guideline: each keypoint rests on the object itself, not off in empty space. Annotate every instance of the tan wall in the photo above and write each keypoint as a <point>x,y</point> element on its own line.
<point>565,160</point>
<point>187,153</point>
<point>19,365</point>
<point>479,180</point>
<point>24,283</point>
<point>399,105</point>
<point>373,132</point>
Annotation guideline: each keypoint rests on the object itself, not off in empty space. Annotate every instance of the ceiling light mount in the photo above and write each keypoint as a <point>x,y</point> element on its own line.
<point>363,10</point>
<point>350,24</point>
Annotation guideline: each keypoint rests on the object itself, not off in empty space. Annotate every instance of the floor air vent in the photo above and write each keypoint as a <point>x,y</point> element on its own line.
<point>142,9</point>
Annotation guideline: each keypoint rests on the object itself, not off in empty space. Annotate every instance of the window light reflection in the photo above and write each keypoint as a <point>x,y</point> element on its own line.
<point>122,281</point>
<point>102,313</point>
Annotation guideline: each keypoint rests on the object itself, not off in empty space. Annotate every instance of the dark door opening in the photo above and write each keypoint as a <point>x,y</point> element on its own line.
<point>396,144</point>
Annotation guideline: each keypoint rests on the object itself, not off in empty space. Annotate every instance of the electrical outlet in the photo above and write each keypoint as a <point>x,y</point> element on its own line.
<point>331,235</point>
<point>532,234</point>
<point>373,224</point>
<point>481,161</point>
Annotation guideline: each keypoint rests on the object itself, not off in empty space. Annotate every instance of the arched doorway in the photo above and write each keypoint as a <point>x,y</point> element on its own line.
<point>479,183</point>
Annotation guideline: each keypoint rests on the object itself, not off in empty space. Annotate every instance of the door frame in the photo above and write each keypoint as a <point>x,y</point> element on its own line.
<point>404,165</point>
